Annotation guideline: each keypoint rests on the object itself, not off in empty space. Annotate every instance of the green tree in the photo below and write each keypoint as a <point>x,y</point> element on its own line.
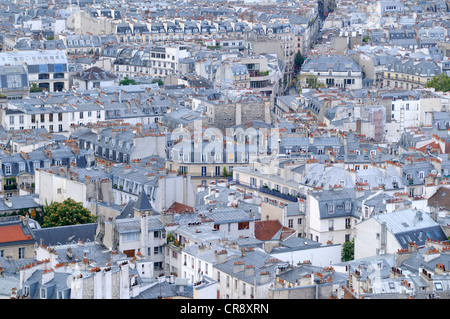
<point>348,250</point>
<point>298,61</point>
<point>159,81</point>
<point>127,81</point>
<point>69,212</point>
<point>35,88</point>
<point>439,83</point>
<point>226,173</point>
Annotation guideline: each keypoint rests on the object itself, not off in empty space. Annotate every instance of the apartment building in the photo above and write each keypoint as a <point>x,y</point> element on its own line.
<point>121,143</point>
<point>155,61</point>
<point>13,83</point>
<point>47,68</point>
<point>141,237</point>
<point>248,276</point>
<point>409,73</point>
<point>17,240</point>
<point>54,115</point>
<point>334,70</point>
<point>332,215</point>
<point>393,232</point>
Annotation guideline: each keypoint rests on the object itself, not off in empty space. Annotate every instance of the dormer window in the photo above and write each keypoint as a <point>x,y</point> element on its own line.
<point>43,293</point>
<point>8,169</point>
<point>330,209</point>
<point>348,207</point>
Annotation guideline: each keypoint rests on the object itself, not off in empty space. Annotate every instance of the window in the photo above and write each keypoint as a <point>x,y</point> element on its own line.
<point>330,209</point>
<point>290,223</point>
<point>330,224</point>
<point>243,225</point>
<point>59,68</point>
<point>438,286</point>
<point>347,223</point>
<point>21,253</point>
<point>11,120</point>
<point>348,207</point>
<point>8,169</point>
<point>299,221</point>
<point>43,293</point>
<point>127,237</point>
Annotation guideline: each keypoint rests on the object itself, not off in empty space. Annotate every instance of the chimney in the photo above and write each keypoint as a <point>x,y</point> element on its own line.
<point>264,277</point>
<point>431,254</point>
<point>249,270</point>
<point>220,256</point>
<point>238,266</point>
<point>396,273</point>
<point>201,248</point>
<point>144,233</point>
<point>47,275</point>
<point>418,217</point>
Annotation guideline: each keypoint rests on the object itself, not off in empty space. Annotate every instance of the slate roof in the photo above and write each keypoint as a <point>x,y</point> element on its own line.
<point>338,198</point>
<point>143,204</point>
<point>63,235</point>
<point>95,74</point>
<point>258,259</point>
<point>166,290</point>
<point>441,198</point>
<point>324,63</point>
<point>411,225</point>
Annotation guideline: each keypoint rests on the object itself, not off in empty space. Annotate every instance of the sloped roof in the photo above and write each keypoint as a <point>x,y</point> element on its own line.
<point>95,74</point>
<point>12,233</point>
<point>271,229</point>
<point>180,208</point>
<point>441,198</point>
<point>65,234</point>
<point>142,203</point>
